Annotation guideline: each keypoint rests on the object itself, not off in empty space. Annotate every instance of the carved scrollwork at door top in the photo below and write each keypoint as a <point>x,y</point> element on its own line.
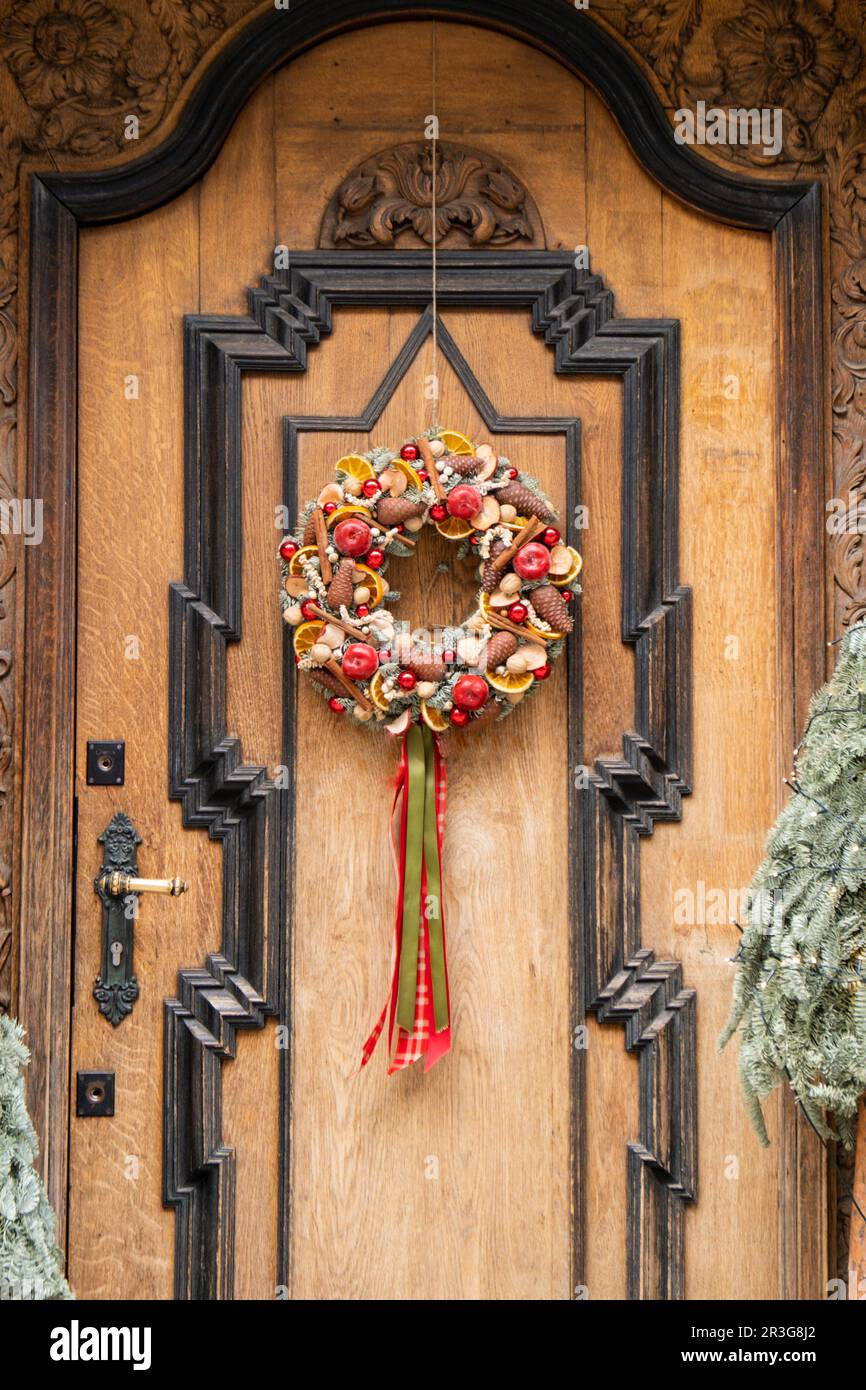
<point>389,197</point>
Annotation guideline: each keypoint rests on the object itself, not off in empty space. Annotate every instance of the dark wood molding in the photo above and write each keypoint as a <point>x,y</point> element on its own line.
<point>61,202</point>
<point>573,311</point>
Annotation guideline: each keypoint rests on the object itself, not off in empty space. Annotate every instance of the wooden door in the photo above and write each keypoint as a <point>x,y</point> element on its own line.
<point>554,1154</point>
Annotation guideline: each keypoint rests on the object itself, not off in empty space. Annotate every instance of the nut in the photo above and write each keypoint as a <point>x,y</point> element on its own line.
<point>510,583</point>
<point>414,523</point>
<point>362,594</point>
<point>533,656</point>
<point>426,689</point>
<point>507,512</point>
<point>516,664</point>
<point>293,614</point>
<point>469,650</point>
<point>331,492</point>
<point>437,448</point>
<point>321,652</point>
<point>353,487</point>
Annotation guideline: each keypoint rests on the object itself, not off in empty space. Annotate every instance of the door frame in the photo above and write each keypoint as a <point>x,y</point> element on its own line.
<point>62,203</point>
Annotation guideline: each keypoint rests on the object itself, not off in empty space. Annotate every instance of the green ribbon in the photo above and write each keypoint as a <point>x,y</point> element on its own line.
<point>421,846</point>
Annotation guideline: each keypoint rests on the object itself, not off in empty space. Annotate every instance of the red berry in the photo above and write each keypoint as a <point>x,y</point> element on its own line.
<point>464,501</point>
<point>309,609</point>
<point>518,612</point>
<point>470,692</point>
<point>409,452</point>
<point>438,512</point>
<point>375,558</point>
<point>360,661</point>
<point>567,595</point>
<point>407,680</point>
<point>287,549</point>
<point>423,474</point>
<point>449,657</point>
<point>542,672</point>
<point>371,487</point>
<point>329,507</point>
<point>550,536</point>
<point>336,705</point>
<point>362,610</point>
<point>473,540</point>
<point>513,473</point>
<point>352,536</point>
<point>532,561</point>
<point>459,717</point>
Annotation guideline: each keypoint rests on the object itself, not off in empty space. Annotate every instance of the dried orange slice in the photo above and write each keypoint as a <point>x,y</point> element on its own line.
<point>377,680</point>
<point>373,582</point>
<point>340,514</point>
<point>511,683</point>
<point>561,580</point>
<point>306,636</point>
<point>456,443</point>
<point>455,528</point>
<point>434,718</point>
<point>306,552</point>
<point>356,466</point>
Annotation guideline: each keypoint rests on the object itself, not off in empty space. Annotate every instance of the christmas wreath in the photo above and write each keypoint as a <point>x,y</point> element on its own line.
<point>335,593</point>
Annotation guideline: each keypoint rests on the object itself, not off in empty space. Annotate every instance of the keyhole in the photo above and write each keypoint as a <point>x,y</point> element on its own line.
<point>116,949</point>
<point>95,1093</point>
<point>105,762</point>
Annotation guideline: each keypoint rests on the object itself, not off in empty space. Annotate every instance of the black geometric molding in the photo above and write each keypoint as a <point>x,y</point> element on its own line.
<point>612,975</point>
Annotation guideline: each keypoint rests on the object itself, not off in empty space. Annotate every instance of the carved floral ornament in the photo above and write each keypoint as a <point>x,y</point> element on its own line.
<point>479,202</point>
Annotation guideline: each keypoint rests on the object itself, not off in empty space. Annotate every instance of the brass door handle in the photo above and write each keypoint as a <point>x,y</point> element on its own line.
<point>118,884</point>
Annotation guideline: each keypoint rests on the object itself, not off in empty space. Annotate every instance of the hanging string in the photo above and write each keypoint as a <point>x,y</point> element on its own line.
<point>435,380</point>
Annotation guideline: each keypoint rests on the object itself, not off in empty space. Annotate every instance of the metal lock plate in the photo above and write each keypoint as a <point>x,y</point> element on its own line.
<point>106,763</point>
<point>94,1093</point>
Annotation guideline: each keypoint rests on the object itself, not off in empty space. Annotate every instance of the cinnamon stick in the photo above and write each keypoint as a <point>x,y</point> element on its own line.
<point>322,544</point>
<point>494,619</point>
<point>530,530</point>
<point>348,628</point>
<point>349,686</point>
<point>430,464</point>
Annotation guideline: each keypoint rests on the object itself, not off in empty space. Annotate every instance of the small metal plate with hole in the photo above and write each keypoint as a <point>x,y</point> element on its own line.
<point>106,760</point>
<point>95,1093</point>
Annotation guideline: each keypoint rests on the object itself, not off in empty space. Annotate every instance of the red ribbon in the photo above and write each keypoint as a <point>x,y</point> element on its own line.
<point>423,1040</point>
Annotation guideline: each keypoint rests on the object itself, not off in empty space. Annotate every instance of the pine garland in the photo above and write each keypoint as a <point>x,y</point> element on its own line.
<point>800,990</point>
<point>30,1266</point>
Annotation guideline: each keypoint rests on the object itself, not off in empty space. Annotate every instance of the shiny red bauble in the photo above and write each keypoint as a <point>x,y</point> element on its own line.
<point>329,508</point>
<point>375,559</point>
<point>567,595</point>
<point>464,501</point>
<point>513,473</point>
<point>550,536</point>
<point>532,561</point>
<point>309,609</point>
<point>352,536</point>
<point>371,487</point>
<point>459,717</point>
<point>407,680</point>
<point>438,512</point>
<point>409,452</point>
<point>449,657</point>
<point>362,611</point>
<point>518,612</point>
<point>470,692</point>
<point>542,672</point>
<point>423,474</point>
<point>360,660</point>
<point>336,705</point>
<point>287,549</point>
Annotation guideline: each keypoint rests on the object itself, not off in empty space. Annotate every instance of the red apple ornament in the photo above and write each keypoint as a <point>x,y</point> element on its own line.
<point>464,501</point>
<point>352,536</point>
<point>360,661</point>
<point>532,561</point>
<point>470,692</point>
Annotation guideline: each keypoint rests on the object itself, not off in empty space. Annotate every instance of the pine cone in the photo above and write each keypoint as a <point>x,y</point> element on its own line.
<point>392,511</point>
<point>501,646</point>
<point>425,666</point>
<point>551,606</point>
<point>327,680</point>
<point>309,536</point>
<point>489,576</point>
<point>466,465</point>
<point>514,494</point>
<point>341,589</point>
